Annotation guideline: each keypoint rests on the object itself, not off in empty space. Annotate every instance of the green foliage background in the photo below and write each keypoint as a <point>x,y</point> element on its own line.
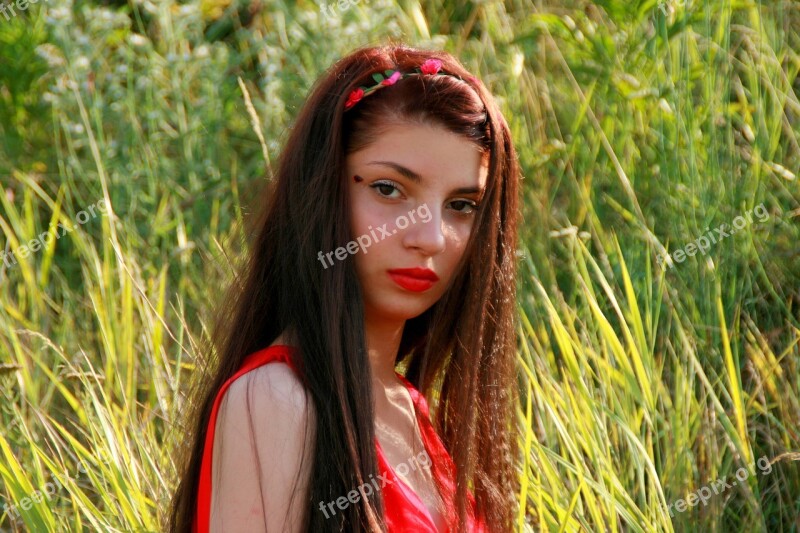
<point>640,125</point>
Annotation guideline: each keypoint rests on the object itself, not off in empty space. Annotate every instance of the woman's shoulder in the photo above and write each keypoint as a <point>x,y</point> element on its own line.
<point>273,383</point>
<point>268,377</point>
<point>262,438</point>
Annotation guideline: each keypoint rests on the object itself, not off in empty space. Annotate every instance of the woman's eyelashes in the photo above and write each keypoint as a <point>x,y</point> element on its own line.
<point>386,188</point>
<point>382,185</point>
<point>465,203</point>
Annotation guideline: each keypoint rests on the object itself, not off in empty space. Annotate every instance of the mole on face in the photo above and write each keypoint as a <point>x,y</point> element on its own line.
<point>357,178</point>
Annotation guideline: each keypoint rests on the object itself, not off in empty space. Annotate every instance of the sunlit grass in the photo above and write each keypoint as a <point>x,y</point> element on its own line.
<point>638,126</point>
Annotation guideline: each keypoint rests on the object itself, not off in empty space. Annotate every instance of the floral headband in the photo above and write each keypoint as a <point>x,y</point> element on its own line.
<point>390,77</point>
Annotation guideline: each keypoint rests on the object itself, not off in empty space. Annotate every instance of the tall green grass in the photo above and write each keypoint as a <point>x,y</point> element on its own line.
<point>638,126</point>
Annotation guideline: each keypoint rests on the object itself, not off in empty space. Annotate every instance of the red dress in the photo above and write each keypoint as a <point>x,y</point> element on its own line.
<point>404,511</point>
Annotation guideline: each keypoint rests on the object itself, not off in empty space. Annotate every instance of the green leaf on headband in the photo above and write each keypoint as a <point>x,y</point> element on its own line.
<point>377,77</point>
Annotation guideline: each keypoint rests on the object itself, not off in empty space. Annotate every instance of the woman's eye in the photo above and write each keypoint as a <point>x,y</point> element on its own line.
<point>460,205</point>
<point>385,188</point>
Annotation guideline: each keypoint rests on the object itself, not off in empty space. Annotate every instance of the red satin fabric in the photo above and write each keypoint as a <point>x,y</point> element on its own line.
<point>404,511</point>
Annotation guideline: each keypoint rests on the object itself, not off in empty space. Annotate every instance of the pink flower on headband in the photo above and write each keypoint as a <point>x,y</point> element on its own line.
<point>430,66</point>
<point>391,79</point>
<point>354,97</point>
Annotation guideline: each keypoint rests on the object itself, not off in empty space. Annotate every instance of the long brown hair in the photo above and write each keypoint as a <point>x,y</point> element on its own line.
<point>460,353</point>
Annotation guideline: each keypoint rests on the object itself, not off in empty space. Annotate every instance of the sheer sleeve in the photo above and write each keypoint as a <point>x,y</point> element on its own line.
<point>260,442</point>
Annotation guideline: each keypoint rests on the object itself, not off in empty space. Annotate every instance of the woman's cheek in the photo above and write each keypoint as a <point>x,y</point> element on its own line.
<point>459,232</point>
<point>365,223</point>
<point>457,243</point>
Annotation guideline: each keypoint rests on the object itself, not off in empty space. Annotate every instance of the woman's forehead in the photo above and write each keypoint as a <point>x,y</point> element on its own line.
<point>422,152</point>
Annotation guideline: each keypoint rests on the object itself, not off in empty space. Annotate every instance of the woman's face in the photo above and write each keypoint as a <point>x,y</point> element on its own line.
<point>413,203</point>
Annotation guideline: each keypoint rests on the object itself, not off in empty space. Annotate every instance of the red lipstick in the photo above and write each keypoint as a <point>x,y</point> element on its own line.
<point>414,279</point>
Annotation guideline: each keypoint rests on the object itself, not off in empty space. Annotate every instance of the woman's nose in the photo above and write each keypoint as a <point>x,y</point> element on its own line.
<point>426,234</point>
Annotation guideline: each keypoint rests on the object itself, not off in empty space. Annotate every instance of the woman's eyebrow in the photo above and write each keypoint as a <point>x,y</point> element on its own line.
<point>416,178</point>
<point>405,171</point>
<point>467,190</point>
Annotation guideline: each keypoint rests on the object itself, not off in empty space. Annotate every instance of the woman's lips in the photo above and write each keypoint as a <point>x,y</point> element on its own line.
<point>414,279</point>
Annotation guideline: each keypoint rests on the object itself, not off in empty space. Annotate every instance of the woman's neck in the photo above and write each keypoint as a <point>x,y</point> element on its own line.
<point>383,341</point>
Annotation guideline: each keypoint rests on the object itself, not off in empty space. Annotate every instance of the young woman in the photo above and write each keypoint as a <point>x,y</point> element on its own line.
<point>387,240</point>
